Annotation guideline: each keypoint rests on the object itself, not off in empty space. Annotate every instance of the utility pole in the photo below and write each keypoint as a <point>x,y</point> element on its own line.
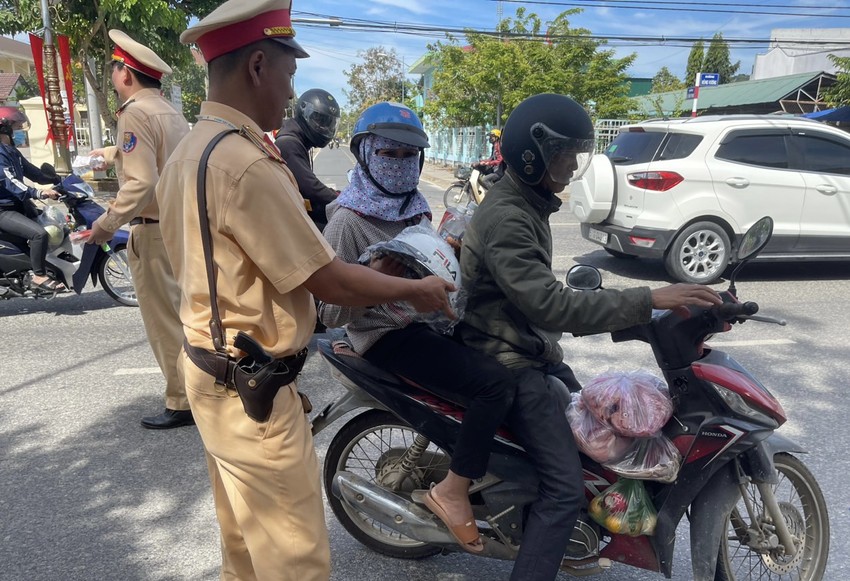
<point>55,110</point>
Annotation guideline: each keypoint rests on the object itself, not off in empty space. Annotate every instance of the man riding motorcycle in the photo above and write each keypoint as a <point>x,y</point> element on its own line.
<point>547,141</point>
<point>492,169</point>
<point>17,212</point>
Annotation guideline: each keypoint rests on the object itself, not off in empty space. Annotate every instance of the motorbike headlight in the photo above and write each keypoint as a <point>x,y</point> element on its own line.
<point>738,405</point>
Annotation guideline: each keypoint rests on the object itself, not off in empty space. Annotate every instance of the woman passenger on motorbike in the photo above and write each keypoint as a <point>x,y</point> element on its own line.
<point>381,201</point>
<point>17,212</point>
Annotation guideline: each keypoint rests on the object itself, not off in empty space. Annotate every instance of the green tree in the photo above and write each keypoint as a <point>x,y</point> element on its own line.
<point>156,23</point>
<point>193,88</point>
<point>839,94</point>
<point>480,83</point>
<point>380,77</point>
<point>695,63</point>
<point>663,82</point>
<point>717,59</point>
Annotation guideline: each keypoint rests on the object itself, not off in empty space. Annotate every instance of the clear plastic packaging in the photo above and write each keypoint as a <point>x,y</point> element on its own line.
<point>594,438</point>
<point>83,164</point>
<point>649,459</point>
<point>635,404</point>
<point>454,223</point>
<point>625,508</point>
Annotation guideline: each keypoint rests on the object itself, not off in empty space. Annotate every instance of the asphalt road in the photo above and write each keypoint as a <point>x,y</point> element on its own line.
<point>87,494</point>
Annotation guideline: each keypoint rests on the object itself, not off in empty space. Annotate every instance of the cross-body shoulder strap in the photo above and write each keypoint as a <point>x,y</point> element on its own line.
<point>217,333</point>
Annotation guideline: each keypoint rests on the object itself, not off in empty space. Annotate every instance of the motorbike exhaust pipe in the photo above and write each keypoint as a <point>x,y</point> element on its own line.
<point>408,518</point>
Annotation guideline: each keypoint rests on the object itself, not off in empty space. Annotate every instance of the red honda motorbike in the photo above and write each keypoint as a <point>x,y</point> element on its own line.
<point>755,510</point>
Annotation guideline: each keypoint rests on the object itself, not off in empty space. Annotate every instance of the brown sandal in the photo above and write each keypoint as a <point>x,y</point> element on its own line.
<point>466,535</point>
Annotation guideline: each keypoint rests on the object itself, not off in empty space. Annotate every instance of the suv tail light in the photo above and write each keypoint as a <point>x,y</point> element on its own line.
<point>657,181</point>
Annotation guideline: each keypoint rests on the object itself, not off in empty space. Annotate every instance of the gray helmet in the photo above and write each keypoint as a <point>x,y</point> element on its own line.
<point>540,129</point>
<point>317,112</point>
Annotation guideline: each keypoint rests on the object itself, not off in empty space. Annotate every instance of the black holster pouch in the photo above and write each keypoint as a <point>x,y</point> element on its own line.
<point>256,377</point>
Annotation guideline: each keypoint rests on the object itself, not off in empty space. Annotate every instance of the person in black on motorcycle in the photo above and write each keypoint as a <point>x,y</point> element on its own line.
<point>314,125</point>
<point>517,309</point>
<point>17,212</point>
<point>492,169</point>
<point>381,201</point>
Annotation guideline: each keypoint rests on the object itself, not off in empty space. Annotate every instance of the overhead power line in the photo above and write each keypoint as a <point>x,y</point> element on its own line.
<point>649,5</point>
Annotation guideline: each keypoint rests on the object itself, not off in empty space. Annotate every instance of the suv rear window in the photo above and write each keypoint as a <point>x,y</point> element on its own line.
<point>679,146</point>
<point>761,150</point>
<point>634,146</point>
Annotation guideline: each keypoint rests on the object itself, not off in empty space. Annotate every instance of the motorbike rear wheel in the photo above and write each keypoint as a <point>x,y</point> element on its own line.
<point>114,280</point>
<point>803,506</point>
<point>371,446</point>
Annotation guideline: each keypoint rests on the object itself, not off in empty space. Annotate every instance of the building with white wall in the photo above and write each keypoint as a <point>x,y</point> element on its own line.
<point>792,52</point>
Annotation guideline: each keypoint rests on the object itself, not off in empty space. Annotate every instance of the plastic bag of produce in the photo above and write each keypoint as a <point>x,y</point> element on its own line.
<point>592,436</point>
<point>624,508</point>
<point>635,404</point>
<point>649,459</point>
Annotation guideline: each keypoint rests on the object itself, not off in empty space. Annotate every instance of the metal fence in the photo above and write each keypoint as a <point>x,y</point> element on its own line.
<point>457,145</point>
<point>606,130</point>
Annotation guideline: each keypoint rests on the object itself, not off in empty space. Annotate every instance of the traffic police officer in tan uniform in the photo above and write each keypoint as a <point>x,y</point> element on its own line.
<point>149,129</point>
<point>268,258</point>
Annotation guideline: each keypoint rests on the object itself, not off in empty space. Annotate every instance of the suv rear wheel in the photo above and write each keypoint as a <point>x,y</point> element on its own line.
<point>699,254</point>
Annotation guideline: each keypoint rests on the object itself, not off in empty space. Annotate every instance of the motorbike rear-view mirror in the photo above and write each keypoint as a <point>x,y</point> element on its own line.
<point>584,277</point>
<point>756,238</point>
<point>48,170</point>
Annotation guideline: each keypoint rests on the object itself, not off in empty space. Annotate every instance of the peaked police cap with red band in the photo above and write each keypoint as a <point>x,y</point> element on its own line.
<point>238,23</point>
<point>137,56</point>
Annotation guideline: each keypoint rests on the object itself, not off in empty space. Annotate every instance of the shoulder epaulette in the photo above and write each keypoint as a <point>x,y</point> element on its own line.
<point>270,149</point>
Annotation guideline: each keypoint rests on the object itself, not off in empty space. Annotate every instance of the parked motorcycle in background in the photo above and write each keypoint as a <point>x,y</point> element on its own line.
<point>69,260</point>
<point>755,510</point>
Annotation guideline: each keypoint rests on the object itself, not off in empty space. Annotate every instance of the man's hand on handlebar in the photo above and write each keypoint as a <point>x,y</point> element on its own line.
<point>679,295</point>
<point>49,193</point>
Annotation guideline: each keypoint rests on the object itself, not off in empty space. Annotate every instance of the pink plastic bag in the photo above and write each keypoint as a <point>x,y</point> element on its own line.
<point>592,436</point>
<point>635,404</point>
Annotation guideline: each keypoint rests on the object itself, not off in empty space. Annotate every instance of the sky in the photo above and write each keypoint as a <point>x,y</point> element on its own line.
<point>333,50</point>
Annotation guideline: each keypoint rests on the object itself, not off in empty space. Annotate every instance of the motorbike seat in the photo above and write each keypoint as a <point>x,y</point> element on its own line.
<point>10,243</point>
<point>354,366</point>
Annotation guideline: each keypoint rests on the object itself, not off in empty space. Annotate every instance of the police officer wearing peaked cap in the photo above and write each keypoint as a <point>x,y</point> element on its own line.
<point>269,260</point>
<point>149,129</point>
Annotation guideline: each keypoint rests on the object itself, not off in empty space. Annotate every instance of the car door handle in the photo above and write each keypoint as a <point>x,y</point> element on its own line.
<point>738,182</point>
<point>826,189</point>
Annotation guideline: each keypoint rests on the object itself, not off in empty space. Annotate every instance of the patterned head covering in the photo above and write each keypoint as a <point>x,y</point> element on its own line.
<point>396,175</point>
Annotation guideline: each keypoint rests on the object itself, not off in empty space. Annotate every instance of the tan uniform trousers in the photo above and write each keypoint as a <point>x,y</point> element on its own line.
<point>266,484</point>
<point>159,302</point>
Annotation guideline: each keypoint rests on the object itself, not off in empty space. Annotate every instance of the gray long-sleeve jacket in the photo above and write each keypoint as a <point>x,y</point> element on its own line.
<point>517,309</point>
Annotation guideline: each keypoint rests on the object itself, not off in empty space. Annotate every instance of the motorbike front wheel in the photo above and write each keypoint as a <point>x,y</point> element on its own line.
<point>372,445</point>
<point>804,509</point>
<point>457,195</point>
<point>114,274</point>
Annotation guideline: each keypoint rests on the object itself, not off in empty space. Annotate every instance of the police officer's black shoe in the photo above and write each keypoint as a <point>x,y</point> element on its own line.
<point>169,419</point>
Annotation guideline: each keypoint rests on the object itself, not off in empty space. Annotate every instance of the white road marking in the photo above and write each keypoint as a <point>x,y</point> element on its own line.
<point>137,371</point>
<point>752,343</point>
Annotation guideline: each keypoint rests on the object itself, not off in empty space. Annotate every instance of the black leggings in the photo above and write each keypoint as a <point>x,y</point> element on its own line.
<point>19,225</point>
<point>446,367</point>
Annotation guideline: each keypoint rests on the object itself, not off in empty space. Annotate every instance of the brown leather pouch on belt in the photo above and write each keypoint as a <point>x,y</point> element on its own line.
<point>257,385</point>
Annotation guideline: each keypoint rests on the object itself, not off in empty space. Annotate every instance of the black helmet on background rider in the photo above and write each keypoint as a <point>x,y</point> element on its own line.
<point>548,134</point>
<point>392,121</point>
<point>11,119</point>
<point>317,113</point>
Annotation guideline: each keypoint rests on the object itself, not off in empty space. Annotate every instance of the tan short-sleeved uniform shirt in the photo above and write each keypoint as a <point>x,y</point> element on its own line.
<point>149,129</point>
<point>264,245</point>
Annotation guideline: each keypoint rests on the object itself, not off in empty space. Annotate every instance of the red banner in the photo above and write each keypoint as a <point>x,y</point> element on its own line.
<point>37,46</point>
<point>65,60</point>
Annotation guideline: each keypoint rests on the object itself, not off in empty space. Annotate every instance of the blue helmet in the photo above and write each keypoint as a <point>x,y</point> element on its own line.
<point>391,120</point>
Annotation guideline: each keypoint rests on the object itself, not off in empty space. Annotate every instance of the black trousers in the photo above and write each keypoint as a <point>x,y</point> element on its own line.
<point>539,423</point>
<point>16,223</point>
<point>445,367</point>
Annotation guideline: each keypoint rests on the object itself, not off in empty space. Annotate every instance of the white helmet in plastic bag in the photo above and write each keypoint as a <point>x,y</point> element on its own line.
<point>53,221</point>
<point>424,253</point>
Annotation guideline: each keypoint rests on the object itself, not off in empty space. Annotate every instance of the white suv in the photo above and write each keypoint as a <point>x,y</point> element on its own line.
<point>685,191</point>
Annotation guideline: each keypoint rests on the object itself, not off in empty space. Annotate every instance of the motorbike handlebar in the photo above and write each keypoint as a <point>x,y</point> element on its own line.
<point>730,311</point>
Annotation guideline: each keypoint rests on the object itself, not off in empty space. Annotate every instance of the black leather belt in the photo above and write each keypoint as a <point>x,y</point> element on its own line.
<point>137,221</point>
<point>222,368</point>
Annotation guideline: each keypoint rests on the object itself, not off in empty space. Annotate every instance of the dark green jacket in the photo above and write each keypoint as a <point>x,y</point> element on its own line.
<point>517,309</point>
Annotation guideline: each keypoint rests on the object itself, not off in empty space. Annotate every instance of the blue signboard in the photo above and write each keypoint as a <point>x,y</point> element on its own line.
<point>690,93</point>
<point>709,79</point>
